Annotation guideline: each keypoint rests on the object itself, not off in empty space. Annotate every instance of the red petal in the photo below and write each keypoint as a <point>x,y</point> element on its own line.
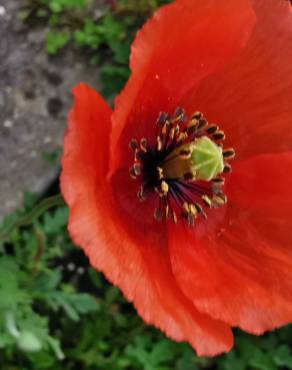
<point>181,45</point>
<point>241,271</point>
<point>117,241</point>
<point>252,97</point>
<point>262,187</point>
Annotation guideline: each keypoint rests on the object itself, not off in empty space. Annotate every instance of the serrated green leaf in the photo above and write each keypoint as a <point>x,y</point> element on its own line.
<point>56,41</point>
<point>83,303</point>
<point>53,222</point>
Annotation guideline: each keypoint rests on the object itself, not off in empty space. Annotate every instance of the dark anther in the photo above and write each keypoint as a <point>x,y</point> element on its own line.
<point>197,115</point>
<point>143,145</point>
<point>188,176</point>
<point>218,180</point>
<point>185,153</point>
<point>227,168</point>
<point>133,144</point>
<point>202,123</point>
<point>212,129</point>
<point>162,118</point>
<point>228,153</point>
<point>218,135</point>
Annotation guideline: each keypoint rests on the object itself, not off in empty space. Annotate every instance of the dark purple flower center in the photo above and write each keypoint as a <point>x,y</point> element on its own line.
<point>185,166</point>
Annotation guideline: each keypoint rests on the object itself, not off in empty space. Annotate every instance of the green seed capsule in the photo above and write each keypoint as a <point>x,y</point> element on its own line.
<point>206,159</point>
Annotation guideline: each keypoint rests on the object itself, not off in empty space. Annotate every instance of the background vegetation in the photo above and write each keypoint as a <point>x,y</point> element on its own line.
<point>55,311</point>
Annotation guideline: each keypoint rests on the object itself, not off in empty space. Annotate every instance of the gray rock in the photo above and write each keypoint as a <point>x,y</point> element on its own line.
<point>34,101</point>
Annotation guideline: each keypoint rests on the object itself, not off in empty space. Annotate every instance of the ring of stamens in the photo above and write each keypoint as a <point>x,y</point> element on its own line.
<point>164,166</point>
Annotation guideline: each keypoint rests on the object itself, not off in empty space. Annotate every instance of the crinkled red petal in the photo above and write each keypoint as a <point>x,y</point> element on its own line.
<point>241,271</point>
<point>251,98</point>
<point>132,254</point>
<point>181,45</point>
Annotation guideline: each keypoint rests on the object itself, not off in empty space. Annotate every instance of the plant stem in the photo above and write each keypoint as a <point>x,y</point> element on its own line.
<point>36,212</point>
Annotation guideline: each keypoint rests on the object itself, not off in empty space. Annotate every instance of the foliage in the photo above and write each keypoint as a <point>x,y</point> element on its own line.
<point>58,6</point>
<point>58,313</point>
<point>103,34</point>
<point>56,41</point>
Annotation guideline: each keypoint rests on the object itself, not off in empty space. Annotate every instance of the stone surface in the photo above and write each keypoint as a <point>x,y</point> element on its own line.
<point>34,100</point>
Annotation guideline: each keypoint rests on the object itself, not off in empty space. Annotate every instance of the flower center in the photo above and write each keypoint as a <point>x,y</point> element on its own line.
<point>185,166</point>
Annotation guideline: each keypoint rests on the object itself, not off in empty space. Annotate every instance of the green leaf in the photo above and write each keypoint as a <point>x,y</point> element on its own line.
<point>95,278</point>
<point>187,360</point>
<point>113,78</point>
<point>151,357</point>
<point>89,35</point>
<point>46,282</point>
<point>11,292</point>
<point>28,342</point>
<point>262,361</point>
<point>55,346</point>
<point>283,356</point>
<point>83,303</point>
<point>56,41</point>
<point>55,221</point>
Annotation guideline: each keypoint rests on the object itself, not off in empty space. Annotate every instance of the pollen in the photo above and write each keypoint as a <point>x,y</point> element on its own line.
<point>185,166</point>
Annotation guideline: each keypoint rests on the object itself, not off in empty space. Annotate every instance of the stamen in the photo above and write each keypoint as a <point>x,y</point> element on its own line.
<point>165,128</point>
<point>192,209</point>
<point>159,143</point>
<point>167,213</point>
<point>138,155</point>
<point>137,169</point>
<point>218,135</point>
<point>133,144</point>
<point>212,129</point>
<point>189,176</point>
<point>192,125</point>
<point>158,214</point>
<point>200,210</point>
<point>185,167</point>
<point>185,153</point>
<point>164,187</point>
<point>197,115</point>
<point>229,153</point>
<point>227,168</point>
<point>202,123</point>
<point>190,213</point>
<point>162,118</point>
<point>132,173</point>
<point>219,199</point>
<point>160,173</point>
<point>178,115</point>
<point>218,181</point>
<point>141,194</point>
<point>182,137</point>
<point>143,145</point>
<point>174,218</point>
<point>172,133</point>
<point>207,201</point>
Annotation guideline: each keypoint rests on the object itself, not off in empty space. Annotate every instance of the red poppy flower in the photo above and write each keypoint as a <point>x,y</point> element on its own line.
<point>195,256</point>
